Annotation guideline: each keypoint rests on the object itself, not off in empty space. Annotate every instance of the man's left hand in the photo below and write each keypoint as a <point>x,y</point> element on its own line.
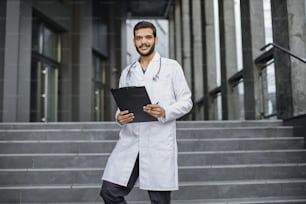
<point>154,110</point>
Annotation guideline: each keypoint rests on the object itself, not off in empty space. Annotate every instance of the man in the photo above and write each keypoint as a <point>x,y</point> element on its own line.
<point>148,150</point>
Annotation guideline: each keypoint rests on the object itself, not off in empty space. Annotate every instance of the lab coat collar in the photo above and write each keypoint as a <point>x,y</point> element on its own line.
<point>156,57</point>
<point>151,67</point>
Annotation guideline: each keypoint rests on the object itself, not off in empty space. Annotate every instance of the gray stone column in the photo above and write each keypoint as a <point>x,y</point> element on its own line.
<point>85,63</point>
<point>10,86</point>
<point>2,52</point>
<point>197,46</point>
<point>75,75</point>
<point>283,82</point>
<point>171,21</point>
<point>288,20</point>
<point>205,102</point>
<point>253,38</point>
<point>116,26</point>
<point>187,58</point>
<point>186,41</point>
<point>17,62</point>
<point>211,65</point>
<point>230,96</point>
<point>24,62</point>
<point>66,72</point>
<point>178,32</point>
<point>222,34</point>
<point>297,45</point>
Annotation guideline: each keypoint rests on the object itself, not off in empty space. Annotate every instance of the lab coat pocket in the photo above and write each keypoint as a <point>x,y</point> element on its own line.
<point>163,90</point>
<point>161,139</point>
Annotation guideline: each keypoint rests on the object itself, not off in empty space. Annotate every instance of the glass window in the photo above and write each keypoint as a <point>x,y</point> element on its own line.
<point>241,100</point>
<point>45,41</point>
<point>51,44</point>
<point>36,27</point>
<point>219,106</point>
<point>268,90</point>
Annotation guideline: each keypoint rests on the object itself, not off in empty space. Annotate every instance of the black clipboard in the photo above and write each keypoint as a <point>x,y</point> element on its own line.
<point>133,99</point>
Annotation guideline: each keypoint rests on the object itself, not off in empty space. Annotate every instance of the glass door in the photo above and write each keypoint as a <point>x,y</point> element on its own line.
<point>46,59</point>
<point>44,92</point>
<point>99,66</point>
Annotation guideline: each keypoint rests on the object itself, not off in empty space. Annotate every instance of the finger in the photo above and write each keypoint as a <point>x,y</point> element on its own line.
<point>155,113</point>
<point>124,112</point>
<point>128,117</point>
<point>146,108</point>
<point>152,106</point>
<point>152,113</point>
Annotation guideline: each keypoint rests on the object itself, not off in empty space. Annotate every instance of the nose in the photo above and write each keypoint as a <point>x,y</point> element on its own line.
<point>143,41</point>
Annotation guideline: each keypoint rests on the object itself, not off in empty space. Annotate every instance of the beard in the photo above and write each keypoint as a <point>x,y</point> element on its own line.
<point>147,53</point>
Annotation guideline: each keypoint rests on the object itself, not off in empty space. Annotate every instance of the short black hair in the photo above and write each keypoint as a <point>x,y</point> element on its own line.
<point>145,24</point>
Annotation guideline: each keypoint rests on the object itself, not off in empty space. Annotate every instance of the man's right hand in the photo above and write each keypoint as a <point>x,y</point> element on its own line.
<point>125,117</point>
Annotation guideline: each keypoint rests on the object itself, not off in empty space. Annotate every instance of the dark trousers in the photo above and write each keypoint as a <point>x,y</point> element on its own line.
<point>114,194</point>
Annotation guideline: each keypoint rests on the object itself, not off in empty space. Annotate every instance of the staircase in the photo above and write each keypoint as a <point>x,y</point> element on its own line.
<point>220,162</point>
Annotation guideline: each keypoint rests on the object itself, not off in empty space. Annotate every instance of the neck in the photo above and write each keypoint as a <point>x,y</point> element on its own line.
<point>146,59</point>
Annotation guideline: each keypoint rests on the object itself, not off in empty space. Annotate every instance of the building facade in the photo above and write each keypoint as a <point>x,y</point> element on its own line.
<point>59,58</point>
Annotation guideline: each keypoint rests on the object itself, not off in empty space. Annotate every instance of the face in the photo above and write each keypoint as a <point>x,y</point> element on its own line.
<point>144,41</point>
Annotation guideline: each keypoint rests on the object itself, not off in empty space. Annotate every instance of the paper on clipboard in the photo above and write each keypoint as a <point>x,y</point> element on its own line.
<point>133,99</point>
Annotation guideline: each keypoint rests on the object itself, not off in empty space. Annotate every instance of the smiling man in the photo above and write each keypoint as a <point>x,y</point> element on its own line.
<point>148,150</point>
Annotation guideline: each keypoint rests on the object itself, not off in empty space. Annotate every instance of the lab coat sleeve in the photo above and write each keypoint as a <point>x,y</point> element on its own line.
<point>121,84</point>
<point>116,116</point>
<point>183,103</point>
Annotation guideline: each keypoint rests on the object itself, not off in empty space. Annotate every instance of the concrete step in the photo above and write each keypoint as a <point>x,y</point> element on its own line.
<point>264,200</point>
<point>228,144</point>
<point>98,160</point>
<point>40,176</point>
<point>60,125</point>
<point>229,123</point>
<point>241,157</point>
<point>104,146</point>
<point>195,190</point>
<point>112,133</point>
<point>242,172</point>
<point>57,146</point>
<point>242,189</point>
<point>219,162</point>
<point>112,124</point>
<point>235,132</point>
<point>59,134</point>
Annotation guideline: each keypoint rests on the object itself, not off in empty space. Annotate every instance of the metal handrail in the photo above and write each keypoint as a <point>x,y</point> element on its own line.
<point>284,50</point>
<point>235,79</point>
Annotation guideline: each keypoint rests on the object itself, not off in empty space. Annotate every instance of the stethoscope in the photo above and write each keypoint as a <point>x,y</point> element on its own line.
<point>155,77</point>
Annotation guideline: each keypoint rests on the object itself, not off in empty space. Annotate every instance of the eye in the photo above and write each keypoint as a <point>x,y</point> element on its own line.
<point>138,38</point>
<point>149,37</point>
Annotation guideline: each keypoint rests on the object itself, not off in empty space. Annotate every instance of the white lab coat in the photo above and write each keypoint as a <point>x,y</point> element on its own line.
<point>154,141</point>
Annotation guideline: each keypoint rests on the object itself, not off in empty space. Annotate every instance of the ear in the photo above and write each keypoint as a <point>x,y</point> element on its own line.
<point>156,40</point>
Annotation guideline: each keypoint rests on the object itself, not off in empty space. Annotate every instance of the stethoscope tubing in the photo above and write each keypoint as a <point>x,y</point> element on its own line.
<point>155,77</point>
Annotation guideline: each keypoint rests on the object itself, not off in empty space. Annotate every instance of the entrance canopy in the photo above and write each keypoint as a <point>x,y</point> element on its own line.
<point>149,8</point>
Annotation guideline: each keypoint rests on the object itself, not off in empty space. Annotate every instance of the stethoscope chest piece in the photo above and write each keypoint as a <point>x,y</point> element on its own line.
<point>156,77</point>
